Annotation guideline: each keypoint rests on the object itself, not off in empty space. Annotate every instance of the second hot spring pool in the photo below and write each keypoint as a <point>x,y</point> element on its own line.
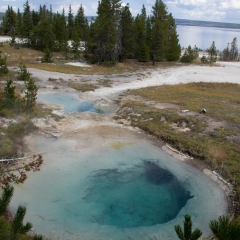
<point>72,103</point>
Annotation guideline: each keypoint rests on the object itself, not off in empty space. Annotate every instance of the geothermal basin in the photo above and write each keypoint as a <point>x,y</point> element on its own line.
<point>127,190</point>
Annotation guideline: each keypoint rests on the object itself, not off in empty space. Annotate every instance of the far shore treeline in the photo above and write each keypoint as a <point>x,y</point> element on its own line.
<point>114,35</point>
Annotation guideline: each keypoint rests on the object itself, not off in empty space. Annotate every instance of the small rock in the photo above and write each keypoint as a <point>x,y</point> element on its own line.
<point>214,134</point>
<point>163,119</point>
<point>183,124</point>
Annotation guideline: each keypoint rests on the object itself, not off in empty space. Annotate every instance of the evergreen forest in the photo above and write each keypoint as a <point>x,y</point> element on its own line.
<point>114,35</point>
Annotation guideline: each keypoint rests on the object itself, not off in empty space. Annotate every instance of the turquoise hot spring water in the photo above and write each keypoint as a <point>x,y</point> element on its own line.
<point>137,191</point>
<point>72,103</point>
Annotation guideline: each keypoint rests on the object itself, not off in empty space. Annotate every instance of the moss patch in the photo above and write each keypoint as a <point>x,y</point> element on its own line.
<point>118,145</point>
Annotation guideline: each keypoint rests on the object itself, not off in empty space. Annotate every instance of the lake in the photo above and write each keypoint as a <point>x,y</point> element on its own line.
<point>203,36</point>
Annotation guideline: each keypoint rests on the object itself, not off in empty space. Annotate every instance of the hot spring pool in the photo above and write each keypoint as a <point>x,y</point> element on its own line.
<point>134,192</point>
<point>72,103</point>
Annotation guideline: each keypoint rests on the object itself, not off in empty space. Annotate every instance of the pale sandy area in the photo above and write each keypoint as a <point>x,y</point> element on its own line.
<point>4,38</point>
<point>79,64</point>
<point>236,64</point>
<point>221,72</point>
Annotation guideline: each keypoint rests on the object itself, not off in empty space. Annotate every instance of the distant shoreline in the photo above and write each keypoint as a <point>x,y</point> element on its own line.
<point>186,22</point>
<point>183,22</point>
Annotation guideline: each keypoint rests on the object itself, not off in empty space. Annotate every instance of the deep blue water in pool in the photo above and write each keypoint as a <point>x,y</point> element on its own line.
<point>72,103</point>
<point>144,195</point>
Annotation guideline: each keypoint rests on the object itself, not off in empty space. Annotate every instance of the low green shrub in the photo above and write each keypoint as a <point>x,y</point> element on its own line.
<point>204,59</point>
<point>7,148</point>
<point>22,73</point>
<point>18,130</point>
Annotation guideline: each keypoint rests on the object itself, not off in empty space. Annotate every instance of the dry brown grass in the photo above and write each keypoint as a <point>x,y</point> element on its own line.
<point>59,66</point>
<point>105,82</point>
<point>82,87</point>
<point>31,58</point>
<point>217,154</point>
<point>221,100</point>
<point>15,56</point>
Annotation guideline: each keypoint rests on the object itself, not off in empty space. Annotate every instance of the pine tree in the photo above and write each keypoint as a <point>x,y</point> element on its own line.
<point>60,31</point>
<point>189,55</point>
<point>212,53</point>
<point>81,24</point>
<point>187,233</point>
<point>173,49</point>
<point>47,57</point>
<point>6,198</point>
<point>225,229</point>
<point>17,224</point>
<point>9,94</point>
<point>12,41</point>
<point>27,23</point>
<point>70,24</point>
<point>225,55</point>
<point>138,34</point>
<point>92,43</point>
<point>143,55</point>
<point>126,45</point>
<point>35,18</point>
<point>142,50</point>
<point>22,73</point>
<point>30,94</point>
<point>234,50</point>
<point>195,52</point>
<point>17,228</point>
<point>75,43</point>
<point>50,14</point>
<point>3,64</point>
<point>10,21</point>
<point>37,237</point>
<point>105,37</point>
<point>159,20</point>
<point>43,33</point>
<point>149,32</point>
<point>19,29</point>
<point>82,27</point>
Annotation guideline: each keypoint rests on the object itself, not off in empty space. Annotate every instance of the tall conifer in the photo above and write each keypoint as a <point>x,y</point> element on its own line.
<point>19,30</point>
<point>142,52</point>
<point>27,22</point>
<point>81,24</point>
<point>159,20</point>
<point>70,23</point>
<point>126,45</point>
<point>9,21</point>
<point>173,49</point>
<point>106,30</point>
<point>43,33</point>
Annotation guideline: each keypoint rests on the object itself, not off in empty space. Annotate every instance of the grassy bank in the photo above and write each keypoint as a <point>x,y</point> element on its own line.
<point>213,137</point>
